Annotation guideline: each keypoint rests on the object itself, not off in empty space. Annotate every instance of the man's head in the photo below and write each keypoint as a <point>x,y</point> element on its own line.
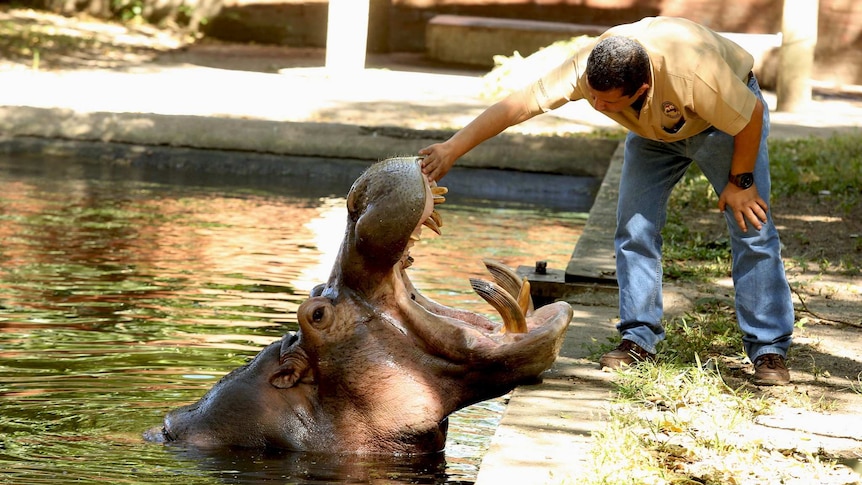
<point>618,73</point>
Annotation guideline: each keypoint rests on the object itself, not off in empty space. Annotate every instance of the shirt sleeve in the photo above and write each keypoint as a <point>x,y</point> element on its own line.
<point>722,99</point>
<point>559,85</point>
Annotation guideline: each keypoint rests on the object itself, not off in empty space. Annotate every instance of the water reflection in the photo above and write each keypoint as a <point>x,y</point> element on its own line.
<point>253,467</point>
<point>122,296</point>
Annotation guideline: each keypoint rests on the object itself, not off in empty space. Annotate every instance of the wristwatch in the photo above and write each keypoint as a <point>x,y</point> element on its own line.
<point>742,180</point>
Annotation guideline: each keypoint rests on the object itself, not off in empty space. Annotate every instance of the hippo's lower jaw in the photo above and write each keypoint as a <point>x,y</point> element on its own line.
<point>376,367</point>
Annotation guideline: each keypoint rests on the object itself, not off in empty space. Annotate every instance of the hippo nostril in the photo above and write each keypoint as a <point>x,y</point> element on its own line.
<point>167,436</point>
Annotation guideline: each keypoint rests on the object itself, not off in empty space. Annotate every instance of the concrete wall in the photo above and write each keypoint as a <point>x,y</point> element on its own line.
<point>399,25</point>
<point>476,40</point>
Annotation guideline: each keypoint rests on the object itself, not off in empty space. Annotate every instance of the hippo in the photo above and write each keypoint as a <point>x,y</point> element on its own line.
<point>376,367</point>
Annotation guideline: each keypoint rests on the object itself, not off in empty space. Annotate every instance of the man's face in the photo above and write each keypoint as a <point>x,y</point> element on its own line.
<point>613,101</point>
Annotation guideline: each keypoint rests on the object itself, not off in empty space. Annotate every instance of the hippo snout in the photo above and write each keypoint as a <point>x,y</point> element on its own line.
<point>157,434</point>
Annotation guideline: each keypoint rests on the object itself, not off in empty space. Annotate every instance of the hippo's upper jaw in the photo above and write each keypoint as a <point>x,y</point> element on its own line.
<point>376,367</point>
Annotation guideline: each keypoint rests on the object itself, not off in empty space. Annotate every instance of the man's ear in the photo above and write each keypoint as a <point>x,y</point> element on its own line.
<point>644,88</point>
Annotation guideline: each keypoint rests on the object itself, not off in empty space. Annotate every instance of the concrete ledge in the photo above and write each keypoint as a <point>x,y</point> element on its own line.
<point>593,259</point>
<point>555,155</point>
<point>476,40</point>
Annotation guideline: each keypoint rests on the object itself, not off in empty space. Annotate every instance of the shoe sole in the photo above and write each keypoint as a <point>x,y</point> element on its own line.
<point>769,382</point>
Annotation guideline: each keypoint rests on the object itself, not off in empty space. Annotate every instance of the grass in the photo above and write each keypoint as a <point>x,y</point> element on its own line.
<point>678,421</point>
<point>817,166</point>
<point>680,416</point>
<point>812,167</point>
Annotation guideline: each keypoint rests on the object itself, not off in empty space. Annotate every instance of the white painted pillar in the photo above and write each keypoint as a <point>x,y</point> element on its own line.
<point>347,35</point>
<point>796,54</point>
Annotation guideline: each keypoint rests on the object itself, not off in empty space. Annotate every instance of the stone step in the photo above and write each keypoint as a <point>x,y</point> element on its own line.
<point>476,40</point>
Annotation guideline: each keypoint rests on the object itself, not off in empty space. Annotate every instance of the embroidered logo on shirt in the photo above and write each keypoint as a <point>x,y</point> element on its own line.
<point>670,110</point>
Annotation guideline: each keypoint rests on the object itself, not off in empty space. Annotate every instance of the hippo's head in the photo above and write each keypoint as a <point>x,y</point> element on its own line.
<point>376,367</point>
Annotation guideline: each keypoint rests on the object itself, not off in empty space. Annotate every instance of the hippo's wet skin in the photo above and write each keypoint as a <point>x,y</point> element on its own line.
<point>376,367</point>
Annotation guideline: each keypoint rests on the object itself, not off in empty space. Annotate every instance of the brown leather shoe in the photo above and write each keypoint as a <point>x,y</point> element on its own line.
<point>626,353</point>
<point>771,370</point>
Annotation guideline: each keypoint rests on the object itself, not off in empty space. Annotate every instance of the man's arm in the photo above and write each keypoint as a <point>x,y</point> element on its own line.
<point>746,204</point>
<point>440,157</point>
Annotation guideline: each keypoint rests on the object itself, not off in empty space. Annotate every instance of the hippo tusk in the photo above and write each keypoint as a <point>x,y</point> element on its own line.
<point>514,320</point>
<point>517,286</point>
<point>438,219</point>
<point>432,223</point>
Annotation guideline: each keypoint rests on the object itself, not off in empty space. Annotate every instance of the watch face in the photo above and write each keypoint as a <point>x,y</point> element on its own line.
<point>743,180</point>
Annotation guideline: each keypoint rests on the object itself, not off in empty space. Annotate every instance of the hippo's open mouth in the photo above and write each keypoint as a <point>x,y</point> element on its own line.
<point>376,367</point>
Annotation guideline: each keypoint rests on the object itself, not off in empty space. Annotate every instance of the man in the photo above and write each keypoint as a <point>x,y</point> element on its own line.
<point>686,94</point>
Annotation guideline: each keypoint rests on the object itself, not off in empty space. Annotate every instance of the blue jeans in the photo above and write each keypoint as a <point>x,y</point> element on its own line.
<point>651,169</point>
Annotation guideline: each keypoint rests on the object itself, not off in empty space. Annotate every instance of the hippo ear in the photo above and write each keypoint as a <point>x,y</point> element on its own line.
<point>317,290</point>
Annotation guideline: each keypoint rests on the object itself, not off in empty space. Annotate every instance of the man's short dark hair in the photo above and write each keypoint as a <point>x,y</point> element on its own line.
<point>618,62</point>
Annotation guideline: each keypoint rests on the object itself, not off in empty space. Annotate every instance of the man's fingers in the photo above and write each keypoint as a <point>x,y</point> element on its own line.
<point>755,215</point>
<point>740,221</point>
<point>755,221</point>
<point>763,208</point>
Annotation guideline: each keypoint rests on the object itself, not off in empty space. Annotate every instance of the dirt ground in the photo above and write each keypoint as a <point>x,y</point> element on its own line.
<point>826,358</point>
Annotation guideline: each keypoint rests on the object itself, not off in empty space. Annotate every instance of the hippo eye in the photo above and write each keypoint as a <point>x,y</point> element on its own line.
<point>317,312</point>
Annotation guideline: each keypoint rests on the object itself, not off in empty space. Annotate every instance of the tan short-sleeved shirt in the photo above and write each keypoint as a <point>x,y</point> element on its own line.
<point>699,79</point>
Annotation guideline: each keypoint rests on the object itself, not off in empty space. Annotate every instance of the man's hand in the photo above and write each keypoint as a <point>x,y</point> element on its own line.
<point>745,204</point>
<point>438,160</point>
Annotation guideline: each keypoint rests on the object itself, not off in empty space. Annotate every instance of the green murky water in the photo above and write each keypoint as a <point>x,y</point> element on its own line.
<point>124,294</point>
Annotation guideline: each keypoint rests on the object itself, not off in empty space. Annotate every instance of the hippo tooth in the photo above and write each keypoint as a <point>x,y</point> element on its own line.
<point>514,284</point>
<point>438,219</point>
<point>432,224</point>
<point>514,320</point>
<point>438,193</point>
<point>436,190</point>
<point>525,301</point>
